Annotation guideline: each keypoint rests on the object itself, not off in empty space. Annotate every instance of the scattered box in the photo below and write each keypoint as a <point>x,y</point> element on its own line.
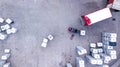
<point>3,36</point>
<point>9,21</point>
<point>82,32</point>
<point>50,37</point>
<point>1,20</point>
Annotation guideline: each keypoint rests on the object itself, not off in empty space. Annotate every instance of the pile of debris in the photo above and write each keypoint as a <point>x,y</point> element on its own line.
<point>6,28</point>
<point>4,61</point>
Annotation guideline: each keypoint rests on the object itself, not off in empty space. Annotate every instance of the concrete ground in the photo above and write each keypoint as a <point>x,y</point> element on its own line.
<point>36,19</point>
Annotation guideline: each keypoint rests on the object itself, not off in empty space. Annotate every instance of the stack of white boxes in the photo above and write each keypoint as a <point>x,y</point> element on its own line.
<point>45,40</point>
<point>5,58</point>
<point>6,28</point>
<point>80,62</point>
<point>109,40</point>
<point>95,50</point>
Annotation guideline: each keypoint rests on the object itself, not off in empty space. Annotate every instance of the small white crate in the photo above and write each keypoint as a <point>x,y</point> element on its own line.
<point>93,45</point>
<point>94,50</point>
<point>113,39</point>
<point>1,20</point>
<point>3,28</point>
<point>114,35</point>
<point>82,32</point>
<point>8,20</point>
<point>50,37</point>
<point>97,56</point>
<point>111,52</point>
<point>99,44</point>
<point>7,26</point>
<point>8,31</point>
<point>3,36</point>
<point>107,47</point>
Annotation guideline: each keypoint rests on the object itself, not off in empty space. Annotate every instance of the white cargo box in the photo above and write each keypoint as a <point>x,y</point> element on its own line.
<point>97,56</point>
<point>3,28</point>
<point>7,64</point>
<point>8,20</point>
<point>7,26</point>
<point>50,37</point>
<point>94,50</point>
<point>91,60</point>
<point>111,52</point>
<point>81,50</point>
<point>13,30</point>
<point>93,45</point>
<point>6,50</point>
<point>1,20</point>
<point>99,44</point>
<point>107,47</point>
<point>112,35</point>
<point>8,31</point>
<point>5,57</point>
<point>3,36</point>
<point>82,32</point>
<point>113,39</point>
<point>68,65</point>
<point>99,62</point>
<point>80,62</point>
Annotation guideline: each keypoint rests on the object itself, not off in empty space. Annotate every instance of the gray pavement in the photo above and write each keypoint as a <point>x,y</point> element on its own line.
<point>35,19</point>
